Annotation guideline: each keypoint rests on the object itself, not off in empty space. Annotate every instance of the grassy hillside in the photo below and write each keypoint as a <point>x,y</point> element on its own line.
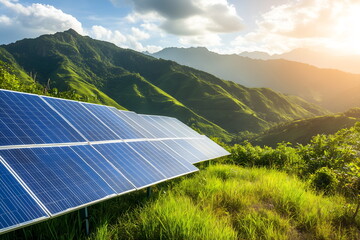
<point>327,87</point>
<point>147,85</point>
<point>301,131</point>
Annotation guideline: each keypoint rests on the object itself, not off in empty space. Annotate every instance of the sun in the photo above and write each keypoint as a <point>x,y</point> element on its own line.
<point>347,30</point>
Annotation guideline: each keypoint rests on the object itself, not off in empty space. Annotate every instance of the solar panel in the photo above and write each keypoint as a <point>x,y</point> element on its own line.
<point>167,133</point>
<point>174,156</point>
<point>27,119</point>
<point>104,168</point>
<point>164,121</point>
<point>87,153</point>
<point>134,167</point>
<point>108,116</point>
<point>214,147</point>
<point>141,124</point>
<point>182,150</point>
<point>162,160</point>
<point>17,207</point>
<point>210,153</point>
<point>182,127</point>
<point>185,144</point>
<point>82,119</point>
<point>59,178</point>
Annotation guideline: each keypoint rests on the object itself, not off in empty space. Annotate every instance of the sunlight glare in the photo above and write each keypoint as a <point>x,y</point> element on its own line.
<point>347,31</point>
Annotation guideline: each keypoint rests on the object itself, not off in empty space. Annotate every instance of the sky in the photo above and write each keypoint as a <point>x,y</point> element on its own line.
<point>224,26</point>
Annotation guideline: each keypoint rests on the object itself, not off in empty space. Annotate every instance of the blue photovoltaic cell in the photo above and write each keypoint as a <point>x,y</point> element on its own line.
<point>170,126</point>
<point>82,120</point>
<point>180,150</point>
<point>211,144</point>
<point>105,169</point>
<point>182,127</point>
<point>57,176</point>
<point>27,119</point>
<point>163,128</point>
<point>113,121</point>
<point>171,154</point>
<point>134,167</point>
<point>17,207</point>
<point>163,161</point>
<point>202,146</point>
<point>199,154</point>
<point>138,122</point>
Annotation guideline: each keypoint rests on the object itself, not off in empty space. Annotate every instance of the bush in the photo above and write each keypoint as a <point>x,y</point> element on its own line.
<point>324,179</point>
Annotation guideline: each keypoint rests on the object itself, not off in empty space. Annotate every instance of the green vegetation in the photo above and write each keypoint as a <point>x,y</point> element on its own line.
<point>9,79</point>
<point>282,192</point>
<point>221,202</point>
<point>302,131</point>
<point>330,88</point>
<point>120,77</point>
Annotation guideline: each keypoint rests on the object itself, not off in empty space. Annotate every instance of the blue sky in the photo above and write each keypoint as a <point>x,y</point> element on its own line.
<point>225,26</point>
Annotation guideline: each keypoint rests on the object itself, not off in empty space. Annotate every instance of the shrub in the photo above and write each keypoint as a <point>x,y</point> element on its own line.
<point>324,179</point>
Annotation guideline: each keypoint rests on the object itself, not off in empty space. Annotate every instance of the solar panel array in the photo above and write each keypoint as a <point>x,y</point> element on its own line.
<point>60,155</point>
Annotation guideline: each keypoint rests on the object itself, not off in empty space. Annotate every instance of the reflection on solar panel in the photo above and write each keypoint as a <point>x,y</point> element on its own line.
<point>58,155</point>
<point>137,122</point>
<point>82,119</point>
<point>162,160</point>
<point>114,122</point>
<point>17,207</point>
<point>57,176</point>
<point>138,170</point>
<point>26,119</point>
<point>164,129</point>
<point>104,168</point>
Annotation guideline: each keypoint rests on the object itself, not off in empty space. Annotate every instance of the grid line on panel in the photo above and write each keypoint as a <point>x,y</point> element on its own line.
<point>161,160</point>
<point>165,122</point>
<point>113,121</point>
<point>180,125</point>
<point>134,167</point>
<point>57,176</point>
<point>181,150</point>
<point>67,121</point>
<point>24,185</point>
<point>134,120</point>
<point>82,119</point>
<point>107,171</point>
<point>26,119</point>
<point>175,156</point>
<point>156,124</point>
<point>154,130</point>
<point>17,206</point>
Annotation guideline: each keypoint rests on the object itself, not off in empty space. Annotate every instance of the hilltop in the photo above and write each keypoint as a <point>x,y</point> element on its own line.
<point>141,83</point>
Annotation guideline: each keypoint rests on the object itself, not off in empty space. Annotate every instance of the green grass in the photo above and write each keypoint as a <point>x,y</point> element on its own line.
<point>229,202</point>
<point>220,202</point>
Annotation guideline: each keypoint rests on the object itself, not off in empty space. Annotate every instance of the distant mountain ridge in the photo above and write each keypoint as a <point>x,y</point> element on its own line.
<point>144,84</point>
<point>346,63</point>
<point>332,89</point>
<point>301,131</point>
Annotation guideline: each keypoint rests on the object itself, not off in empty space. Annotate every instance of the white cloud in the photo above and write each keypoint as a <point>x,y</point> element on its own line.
<point>39,18</point>
<point>101,33</point>
<point>5,20</point>
<point>303,23</point>
<point>139,34</point>
<point>122,39</point>
<point>188,17</point>
<point>208,40</point>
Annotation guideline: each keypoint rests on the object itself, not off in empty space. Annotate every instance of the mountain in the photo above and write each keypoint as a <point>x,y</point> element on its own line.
<point>301,131</point>
<point>148,85</point>
<point>321,59</point>
<point>327,87</point>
